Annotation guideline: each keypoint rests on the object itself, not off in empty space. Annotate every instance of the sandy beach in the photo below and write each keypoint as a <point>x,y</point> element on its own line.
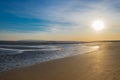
<point>103,64</point>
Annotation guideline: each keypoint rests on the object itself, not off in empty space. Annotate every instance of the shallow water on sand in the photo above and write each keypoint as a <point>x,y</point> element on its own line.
<point>15,56</point>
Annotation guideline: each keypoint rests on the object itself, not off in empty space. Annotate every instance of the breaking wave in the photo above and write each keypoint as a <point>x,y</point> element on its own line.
<point>15,56</point>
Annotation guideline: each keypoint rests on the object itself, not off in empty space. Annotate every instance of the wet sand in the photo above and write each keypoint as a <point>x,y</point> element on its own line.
<point>103,64</point>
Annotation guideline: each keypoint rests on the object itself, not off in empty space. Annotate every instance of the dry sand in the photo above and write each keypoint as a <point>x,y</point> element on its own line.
<point>103,64</point>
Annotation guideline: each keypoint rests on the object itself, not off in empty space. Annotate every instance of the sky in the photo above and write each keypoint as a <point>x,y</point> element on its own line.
<point>59,19</point>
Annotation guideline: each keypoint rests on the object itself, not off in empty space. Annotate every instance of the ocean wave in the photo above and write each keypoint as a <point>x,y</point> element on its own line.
<point>33,56</point>
<point>25,46</point>
<point>18,49</point>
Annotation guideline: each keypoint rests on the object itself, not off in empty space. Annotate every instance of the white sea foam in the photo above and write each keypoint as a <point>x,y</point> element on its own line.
<point>12,49</point>
<point>33,56</point>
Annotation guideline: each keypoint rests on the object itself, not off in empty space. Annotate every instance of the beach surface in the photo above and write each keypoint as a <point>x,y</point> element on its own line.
<point>102,64</point>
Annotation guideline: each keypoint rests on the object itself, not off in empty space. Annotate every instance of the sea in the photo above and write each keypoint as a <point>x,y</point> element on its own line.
<point>16,56</point>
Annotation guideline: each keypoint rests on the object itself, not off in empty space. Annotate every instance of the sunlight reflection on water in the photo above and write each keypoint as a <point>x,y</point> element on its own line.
<point>11,58</point>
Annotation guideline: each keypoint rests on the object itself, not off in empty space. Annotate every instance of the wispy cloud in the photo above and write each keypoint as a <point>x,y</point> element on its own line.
<point>63,16</point>
<point>74,11</point>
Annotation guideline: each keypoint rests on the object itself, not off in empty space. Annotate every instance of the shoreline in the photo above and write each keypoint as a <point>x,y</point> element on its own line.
<point>45,62</point>
<point>97,65</point>
<point>22,56</point>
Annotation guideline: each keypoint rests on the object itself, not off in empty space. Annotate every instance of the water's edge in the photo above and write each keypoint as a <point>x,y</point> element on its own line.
<point>16,56</point>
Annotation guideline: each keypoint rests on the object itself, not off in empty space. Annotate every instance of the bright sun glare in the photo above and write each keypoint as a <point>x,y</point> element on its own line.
<point>98,25</point>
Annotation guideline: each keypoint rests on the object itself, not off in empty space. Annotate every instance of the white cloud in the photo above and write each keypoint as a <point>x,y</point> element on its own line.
<point>78,12</point>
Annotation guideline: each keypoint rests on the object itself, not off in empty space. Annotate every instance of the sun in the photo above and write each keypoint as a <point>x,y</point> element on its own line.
<point>98,25</point>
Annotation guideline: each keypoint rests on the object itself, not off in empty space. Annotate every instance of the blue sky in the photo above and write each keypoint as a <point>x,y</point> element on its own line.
<point>50,18</point>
